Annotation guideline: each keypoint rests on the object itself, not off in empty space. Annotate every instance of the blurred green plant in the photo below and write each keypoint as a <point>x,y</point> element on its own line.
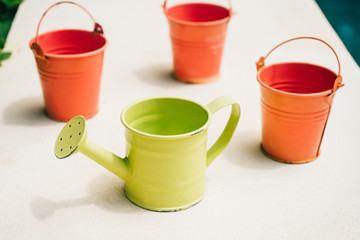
<point>8,10</point>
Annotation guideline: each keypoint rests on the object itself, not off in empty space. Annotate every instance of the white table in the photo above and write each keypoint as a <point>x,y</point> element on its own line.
<point>248,195</point>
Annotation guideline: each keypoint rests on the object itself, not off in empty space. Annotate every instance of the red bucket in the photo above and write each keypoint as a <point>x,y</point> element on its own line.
<point>296,99</point>
<point>70,63</point>
<point>197,32</point>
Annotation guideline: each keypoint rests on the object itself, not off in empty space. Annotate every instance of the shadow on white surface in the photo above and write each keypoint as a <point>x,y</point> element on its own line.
<point>28,111</point>
<point>105,191</point>
<point>244,151</point>
<point>161,75</point>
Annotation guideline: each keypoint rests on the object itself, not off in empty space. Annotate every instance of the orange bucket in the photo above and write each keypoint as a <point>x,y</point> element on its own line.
<point>197,32</point>
<point>296,100</point>
<point>70,63</point>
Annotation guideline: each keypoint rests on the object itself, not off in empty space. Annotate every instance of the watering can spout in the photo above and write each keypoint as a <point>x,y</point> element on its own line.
<point>73,138</point>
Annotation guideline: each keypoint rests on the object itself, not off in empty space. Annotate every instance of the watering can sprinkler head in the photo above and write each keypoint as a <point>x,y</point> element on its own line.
<point>71,137</point>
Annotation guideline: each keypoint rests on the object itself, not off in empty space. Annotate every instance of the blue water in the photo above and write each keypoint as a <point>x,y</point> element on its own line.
<point>344,16</point>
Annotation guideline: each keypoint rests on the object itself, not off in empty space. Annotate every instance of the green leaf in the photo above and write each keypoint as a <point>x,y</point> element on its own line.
<point>4,30</point>
<point>4,56</point>
<point>11,3</point>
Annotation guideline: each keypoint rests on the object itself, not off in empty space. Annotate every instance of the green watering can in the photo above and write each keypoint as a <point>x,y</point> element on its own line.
<point>166,149</point>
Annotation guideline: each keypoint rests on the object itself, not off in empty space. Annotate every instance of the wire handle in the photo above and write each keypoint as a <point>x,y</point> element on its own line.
<point>36,47</point>
<point>338,82</point>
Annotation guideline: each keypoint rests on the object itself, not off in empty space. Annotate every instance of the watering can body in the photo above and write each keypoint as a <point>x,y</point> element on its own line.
<point>166,174</point>
<point>166,150</point>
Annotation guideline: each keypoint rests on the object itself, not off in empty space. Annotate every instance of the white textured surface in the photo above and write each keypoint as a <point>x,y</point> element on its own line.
<point>249,196</point>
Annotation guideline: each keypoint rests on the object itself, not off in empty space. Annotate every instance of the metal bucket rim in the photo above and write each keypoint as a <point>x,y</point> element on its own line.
<point>78,55</point>
<point>298,95</point>
<point>204,23</point>
<point>203,128</point>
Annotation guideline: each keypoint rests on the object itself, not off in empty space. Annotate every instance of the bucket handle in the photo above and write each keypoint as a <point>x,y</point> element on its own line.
<point>338,81</point>
<point>36,47</point>
<point>229,2</point>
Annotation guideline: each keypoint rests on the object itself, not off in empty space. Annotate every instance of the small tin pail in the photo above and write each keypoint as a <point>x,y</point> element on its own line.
<point>197,32</point>
<point>296,100</point>
<point>70,64</point>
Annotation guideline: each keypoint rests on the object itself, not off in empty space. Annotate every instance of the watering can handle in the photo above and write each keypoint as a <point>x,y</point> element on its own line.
<point>229,130</point>
<point>229,2</point>
<point>338,82</point>
<point>36,47</point>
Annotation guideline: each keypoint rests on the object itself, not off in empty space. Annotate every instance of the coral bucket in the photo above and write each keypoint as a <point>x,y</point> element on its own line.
<point>197,32</point>
<point>70,63</point>
<point>296,100</point>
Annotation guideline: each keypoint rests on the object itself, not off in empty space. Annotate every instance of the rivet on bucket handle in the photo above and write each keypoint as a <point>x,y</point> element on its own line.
<point>231,12</point>
<point>337,83</point>
<point>36,47</point>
